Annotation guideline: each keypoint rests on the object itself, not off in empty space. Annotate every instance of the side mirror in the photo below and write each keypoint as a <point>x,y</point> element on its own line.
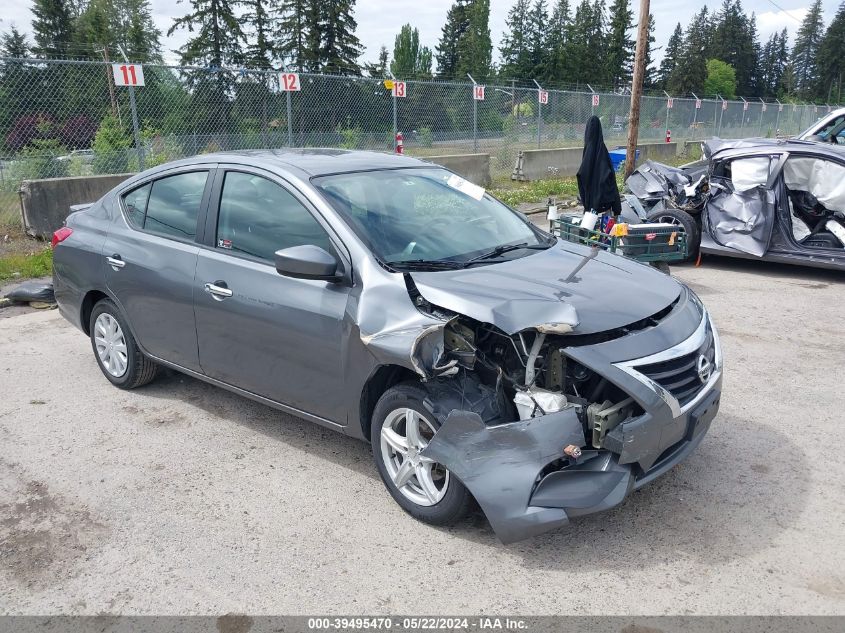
<point>306,262</point>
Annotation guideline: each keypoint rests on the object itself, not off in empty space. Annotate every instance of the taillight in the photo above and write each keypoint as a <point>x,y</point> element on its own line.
<point>61,235</point>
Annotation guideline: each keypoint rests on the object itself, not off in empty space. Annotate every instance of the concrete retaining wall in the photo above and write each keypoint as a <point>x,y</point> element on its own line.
<point>46,203</point>
<point>473,167</point>
<point>540,164</point>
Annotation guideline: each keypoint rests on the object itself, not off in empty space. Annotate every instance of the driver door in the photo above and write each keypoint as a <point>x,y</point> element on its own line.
<point>742,209</point>
<point>278,337</point>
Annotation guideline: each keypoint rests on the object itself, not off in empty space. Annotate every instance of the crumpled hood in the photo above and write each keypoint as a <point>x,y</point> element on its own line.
<point>608,292</point>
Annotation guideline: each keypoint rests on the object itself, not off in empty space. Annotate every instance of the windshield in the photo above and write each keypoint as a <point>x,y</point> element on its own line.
<point>412,216</point>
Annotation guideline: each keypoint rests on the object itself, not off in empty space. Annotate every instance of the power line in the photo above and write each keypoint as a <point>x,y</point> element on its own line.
<point>780,8</point>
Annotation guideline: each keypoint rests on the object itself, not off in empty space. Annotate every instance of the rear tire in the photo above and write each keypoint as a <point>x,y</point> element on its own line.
<point>427,491</point>
<point>684,220</point>
<point>115,349</point>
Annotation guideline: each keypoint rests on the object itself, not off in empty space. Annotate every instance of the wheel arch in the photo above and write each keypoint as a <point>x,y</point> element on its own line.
<point>382,379</point>
<point>91,298</point>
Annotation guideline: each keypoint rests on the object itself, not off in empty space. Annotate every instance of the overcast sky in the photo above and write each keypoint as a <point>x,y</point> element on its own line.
<point>380,20</point>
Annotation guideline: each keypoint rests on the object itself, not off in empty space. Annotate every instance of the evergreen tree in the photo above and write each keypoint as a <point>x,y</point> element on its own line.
<point>409,58</point>
<point>218,38</point>
<point>379,69</point>
<point>583,50</point>
<point>558,26</point>
<point>831,59</point>
<point>475,49</point>
<point>674,50</point>
<point>137,32</point>
<point>649,79</point>
<point>292,42</point>
<point>773,60</point>
<point>620,46</point>
<point>14,44</point>
<point>537,36</point>
<point>52,27</point>
<point>452,32</point>
<point>806,50</point>
<point>734,41</point>
<point>340,47</point>
<point>260,22</point>
<point>118,23</point>
<point>217,42</point>
<point>515,49</point>
<point>691,69</point>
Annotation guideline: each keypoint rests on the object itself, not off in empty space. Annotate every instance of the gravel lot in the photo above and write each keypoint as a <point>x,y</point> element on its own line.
<point>183,498</point>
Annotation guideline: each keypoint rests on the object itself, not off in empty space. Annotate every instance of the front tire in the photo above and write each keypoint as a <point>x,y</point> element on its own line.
<point>115,348</point>
<point>684,220</point>
<point>401,429</point>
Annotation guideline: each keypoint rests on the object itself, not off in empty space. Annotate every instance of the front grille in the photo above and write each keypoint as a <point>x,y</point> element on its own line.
<point>679,375</point>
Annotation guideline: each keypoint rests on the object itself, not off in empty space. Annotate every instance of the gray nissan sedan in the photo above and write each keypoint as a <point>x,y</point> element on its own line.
<point>392,300</point>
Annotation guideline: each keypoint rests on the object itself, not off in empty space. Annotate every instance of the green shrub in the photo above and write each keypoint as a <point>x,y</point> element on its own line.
<point>425,137</point>
<point>351,136</point>
<point>110,148</point>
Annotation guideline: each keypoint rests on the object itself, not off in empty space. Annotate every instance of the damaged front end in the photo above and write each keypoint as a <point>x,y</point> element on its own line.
<point>541,424</point>
<point>654,187</point>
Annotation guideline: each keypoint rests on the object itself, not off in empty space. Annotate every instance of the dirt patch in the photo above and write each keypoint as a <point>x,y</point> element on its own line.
<point>43,536</point>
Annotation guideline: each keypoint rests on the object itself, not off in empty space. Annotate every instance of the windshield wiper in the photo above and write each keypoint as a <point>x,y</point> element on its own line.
<point>506,248</point>
<point>427,264</point>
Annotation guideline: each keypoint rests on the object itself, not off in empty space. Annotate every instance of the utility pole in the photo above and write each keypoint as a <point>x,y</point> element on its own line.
<point>110,80</point>
<point>637,87</point>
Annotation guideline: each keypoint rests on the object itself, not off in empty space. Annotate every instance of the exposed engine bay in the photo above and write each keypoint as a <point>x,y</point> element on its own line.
<point>518,377</point>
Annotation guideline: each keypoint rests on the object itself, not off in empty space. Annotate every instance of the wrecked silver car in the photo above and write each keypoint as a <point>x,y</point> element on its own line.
<point>781,201</point>
<point>396,302</point>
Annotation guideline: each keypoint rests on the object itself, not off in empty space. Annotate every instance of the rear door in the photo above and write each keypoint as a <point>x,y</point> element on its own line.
<point>275,336</point>
<point>151,257</point>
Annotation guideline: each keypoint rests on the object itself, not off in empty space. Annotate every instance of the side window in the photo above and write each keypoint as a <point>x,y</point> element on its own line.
<point>135,203</point>
<point>258,217</point>
<point>174,203</point>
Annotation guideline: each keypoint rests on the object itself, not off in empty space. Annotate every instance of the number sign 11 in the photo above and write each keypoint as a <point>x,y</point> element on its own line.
<point>128,74</point>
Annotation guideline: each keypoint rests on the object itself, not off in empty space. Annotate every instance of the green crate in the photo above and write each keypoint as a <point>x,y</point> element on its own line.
<point>643,243</point>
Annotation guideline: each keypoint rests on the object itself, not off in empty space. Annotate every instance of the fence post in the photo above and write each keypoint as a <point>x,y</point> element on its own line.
<point>474,116</point>
<point>694,115</point>
<point>395,122</point>
<point>721,113</point>
<point>777,119</point>
<point>742,123</point>
<point>668,98</point>
<point>539,112</point>
<point>135,131</point>
<point>290,118</point>
<point>762,107</point>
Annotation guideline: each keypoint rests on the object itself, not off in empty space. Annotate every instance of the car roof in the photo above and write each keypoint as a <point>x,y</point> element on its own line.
<point>311,161</point>
<point>723,147</point>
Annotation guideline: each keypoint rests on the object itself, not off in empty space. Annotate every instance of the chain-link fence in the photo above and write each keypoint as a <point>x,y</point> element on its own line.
<point>69,118</point>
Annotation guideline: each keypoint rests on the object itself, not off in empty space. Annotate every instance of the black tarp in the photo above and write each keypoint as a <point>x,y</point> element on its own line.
<point>596,178</point>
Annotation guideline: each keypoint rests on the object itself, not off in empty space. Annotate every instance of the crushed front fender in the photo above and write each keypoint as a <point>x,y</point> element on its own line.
<point>503,467</point>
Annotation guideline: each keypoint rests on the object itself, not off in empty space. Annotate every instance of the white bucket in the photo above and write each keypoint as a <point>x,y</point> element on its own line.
<point>589,220</point>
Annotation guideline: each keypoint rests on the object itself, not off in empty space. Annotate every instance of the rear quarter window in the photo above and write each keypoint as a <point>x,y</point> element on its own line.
<point>168,206</point>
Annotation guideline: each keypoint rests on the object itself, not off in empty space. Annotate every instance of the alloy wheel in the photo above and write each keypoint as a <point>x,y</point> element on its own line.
<point>111,344</point>
<point>404,434</point>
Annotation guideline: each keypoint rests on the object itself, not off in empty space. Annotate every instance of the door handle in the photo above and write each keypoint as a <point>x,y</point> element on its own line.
<point>115,262</point>
<point>218,292</point>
